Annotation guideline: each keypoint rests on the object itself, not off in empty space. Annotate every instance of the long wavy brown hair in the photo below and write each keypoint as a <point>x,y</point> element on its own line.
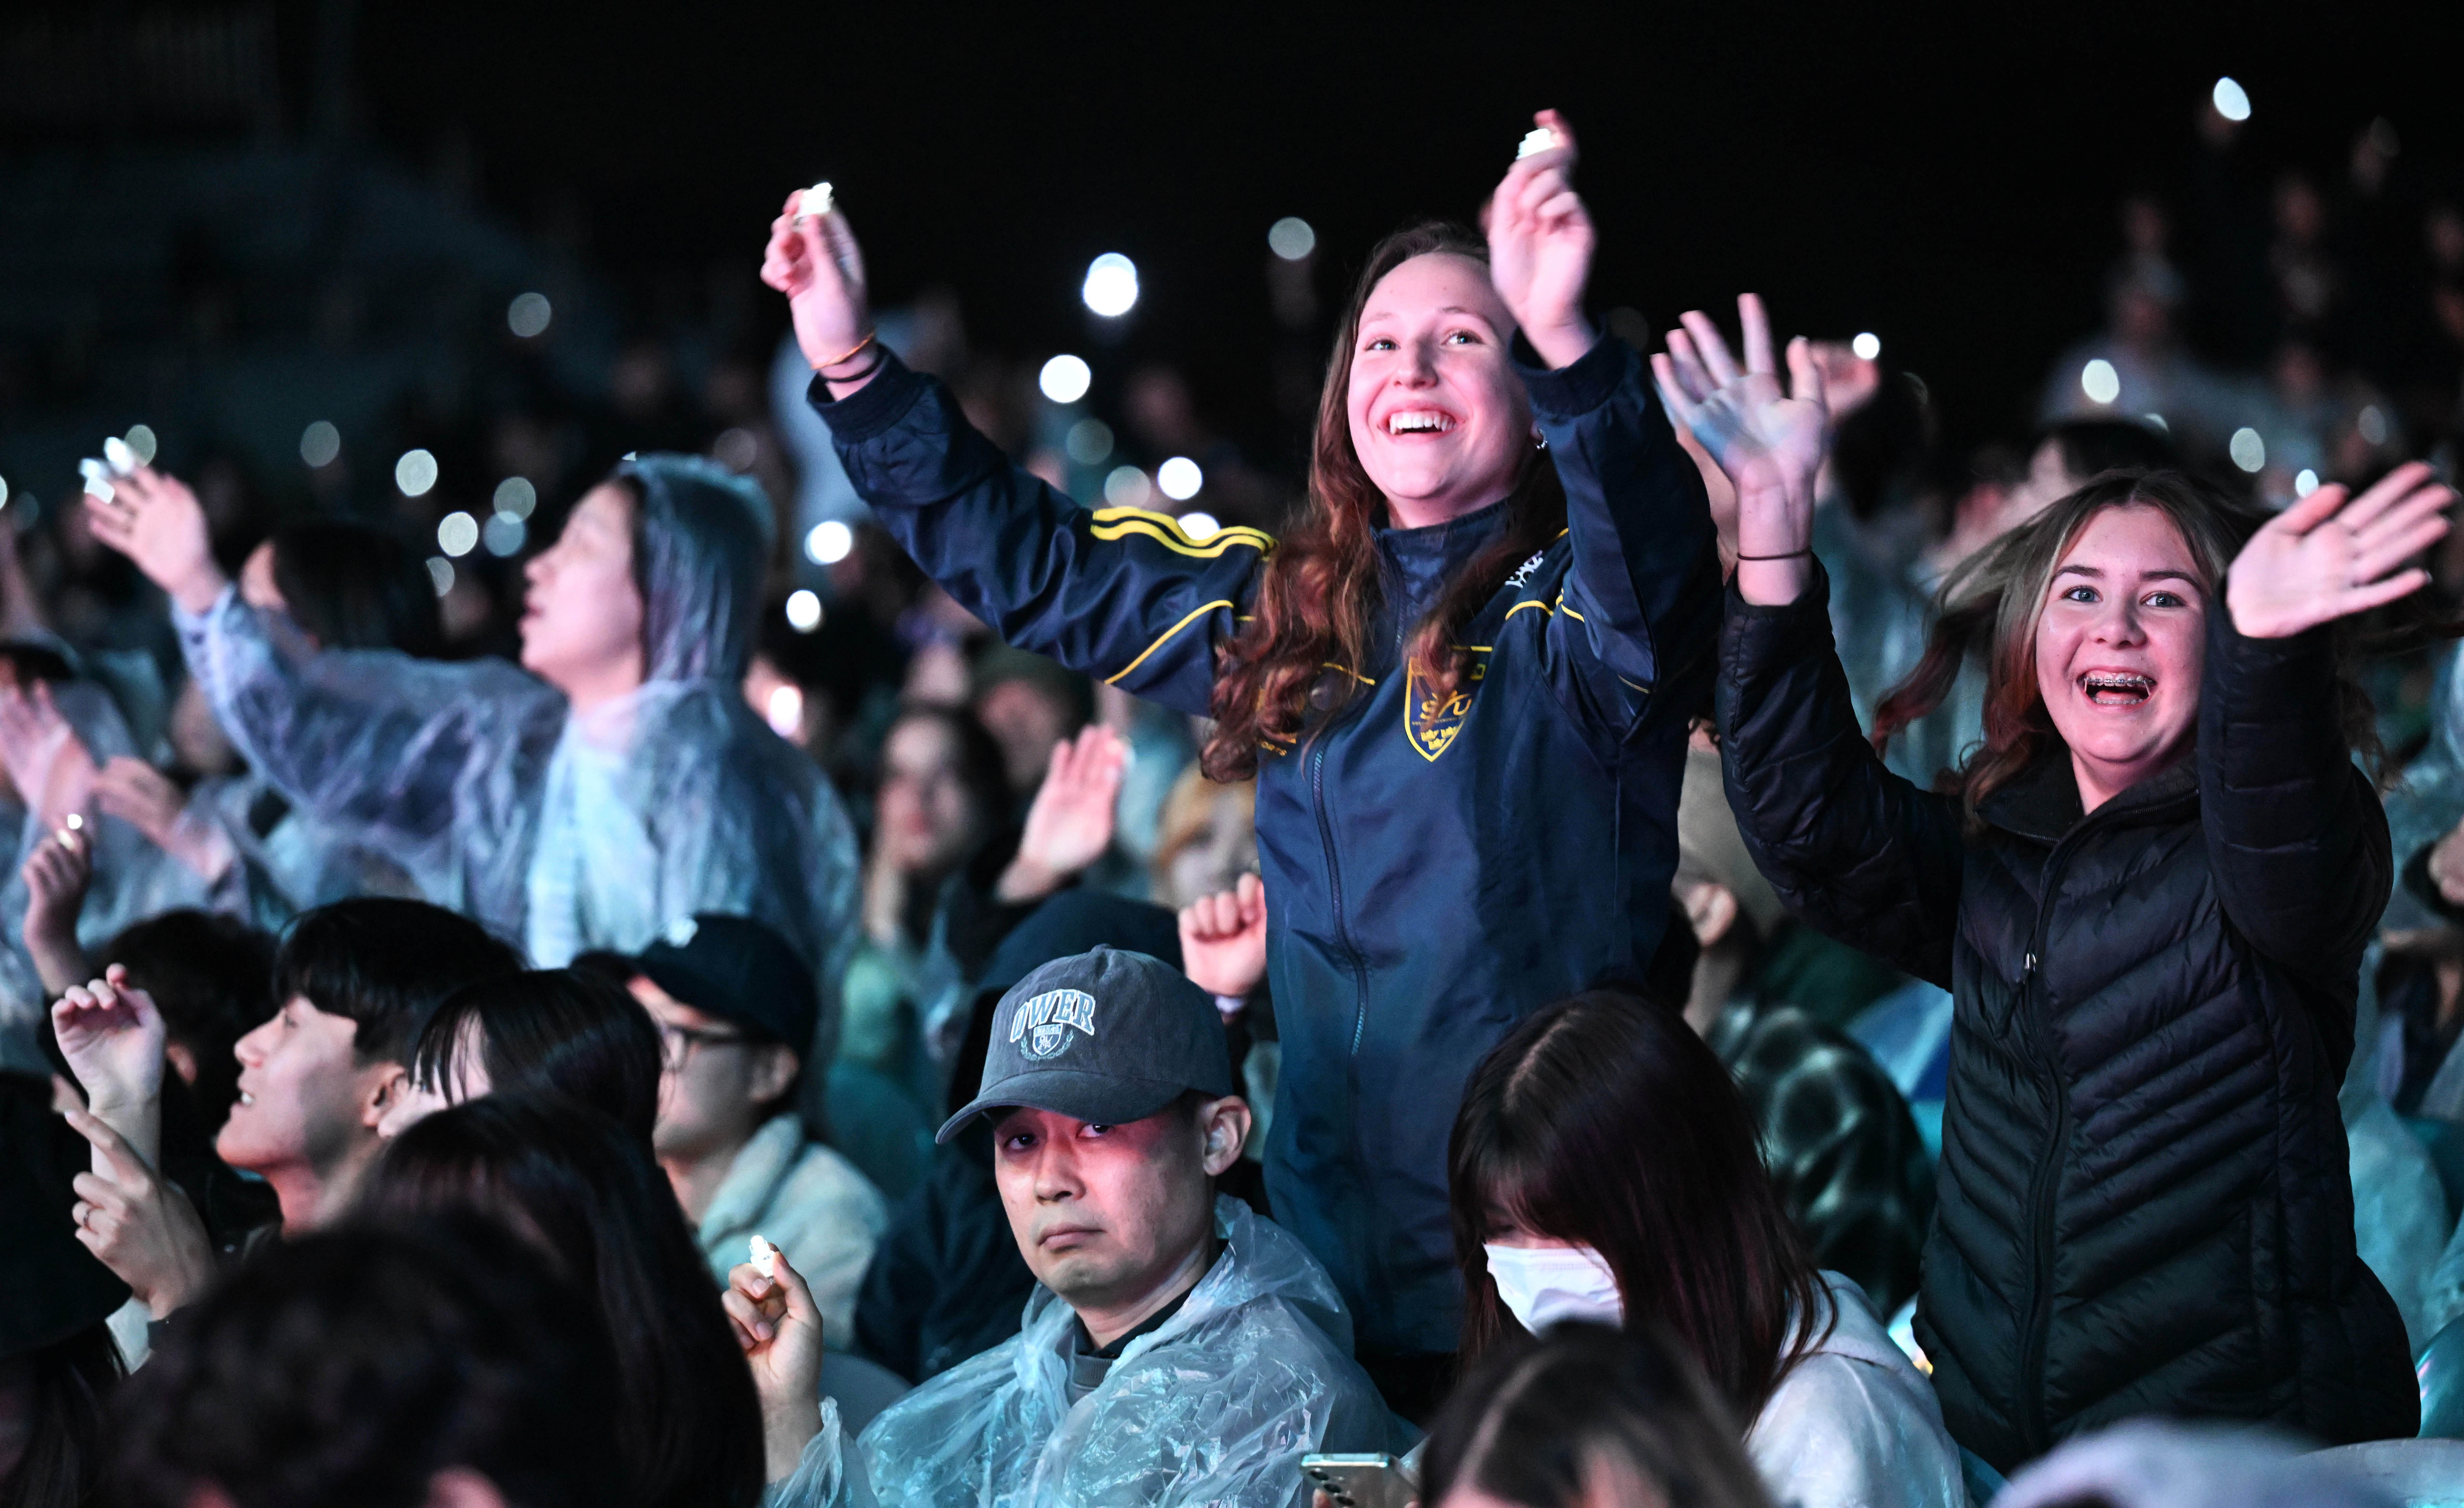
<point>1989,607</point>
<point>1308,637</point>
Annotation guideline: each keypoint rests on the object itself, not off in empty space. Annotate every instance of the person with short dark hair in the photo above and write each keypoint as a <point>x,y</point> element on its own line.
<point>734,1006</point>
<point>440,1364</point>
<point>357,980</point>
<point>1588,1417</point>
<point>1179,1349</point>
<point>582,1191</point>
<point>556,1031</point>
<point>1603,1168</point>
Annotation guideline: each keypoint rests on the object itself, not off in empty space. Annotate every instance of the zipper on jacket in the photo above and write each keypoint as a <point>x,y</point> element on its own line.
<point>2044,1185</point>
<point>1334,889</point>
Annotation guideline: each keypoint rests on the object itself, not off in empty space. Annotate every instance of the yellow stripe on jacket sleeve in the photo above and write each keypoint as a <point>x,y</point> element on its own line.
<point>1115,523</point>
<point>1114,679</point>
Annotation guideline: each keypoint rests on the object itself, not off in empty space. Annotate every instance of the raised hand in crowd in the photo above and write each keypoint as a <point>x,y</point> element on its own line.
<point>2333,555</point>
<point>780,1328</point>
<point>1540,242</point>
<point>57,874</point>
<point>1072,819</point>
<point>815,261</point>
<point>45,759</point>
<point>156,521</point>
<point>1769,441</point>
<point>112,1035</point>
<point>1223,939</point>
<point>137,1224</point>
<point>147,799</point>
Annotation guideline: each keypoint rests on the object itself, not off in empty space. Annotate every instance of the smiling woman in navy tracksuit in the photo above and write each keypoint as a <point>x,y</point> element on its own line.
<point>1463,681</point>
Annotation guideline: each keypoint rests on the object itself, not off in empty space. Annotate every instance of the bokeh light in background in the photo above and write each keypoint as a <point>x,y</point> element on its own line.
<point>1291,238</point>
<point>804,609</point>
<point>320,444</point>
<point>1089,442</point>
<point>440,573</point>
<point>516,497</point>
<point>785,710</point>
<point>827,544</point>
<point>2231,100</point>
<point>528,314</point>
<point>1126,487</point>
<point>2101,384</point>
<point>1066,379</point>
<point>1867,346</point>
<point>1112,286</point>
<point>1200,525</point>
<point>457,534</point>
<point>142,444</point>
<point>504,534</point>
<point>2305,482</point>
<point>1180,478</point>
<point>2248,450</point>
<point>415,473</point>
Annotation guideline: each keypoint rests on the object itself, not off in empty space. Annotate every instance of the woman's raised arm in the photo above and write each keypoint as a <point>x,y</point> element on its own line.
<point>1120,593</point>
<point>1858,852</point>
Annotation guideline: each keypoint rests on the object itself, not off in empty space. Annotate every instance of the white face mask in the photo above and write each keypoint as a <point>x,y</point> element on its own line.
<point>1548,1283</point>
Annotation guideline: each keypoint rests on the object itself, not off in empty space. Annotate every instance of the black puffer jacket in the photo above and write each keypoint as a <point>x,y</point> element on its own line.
<point>2144,1204</point>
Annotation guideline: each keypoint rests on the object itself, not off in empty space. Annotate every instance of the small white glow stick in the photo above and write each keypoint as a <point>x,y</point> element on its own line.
<point>766,1257</point>
<point>1535,140</point>
<point>814,201</point>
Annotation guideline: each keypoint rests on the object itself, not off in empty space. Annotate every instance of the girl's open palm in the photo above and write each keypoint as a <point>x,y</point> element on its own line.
<point>2331,555</point>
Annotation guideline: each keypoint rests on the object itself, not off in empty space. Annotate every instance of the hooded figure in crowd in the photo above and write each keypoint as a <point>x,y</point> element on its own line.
<point>618,786</point>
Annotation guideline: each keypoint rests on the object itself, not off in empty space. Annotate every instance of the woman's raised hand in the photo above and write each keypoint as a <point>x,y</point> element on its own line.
<point>1770,443</point>
<point>157,522</point>
<point>814,260</point>
<point>2331,554</point>
<point>1073,816</point>
<point>1540,248</point>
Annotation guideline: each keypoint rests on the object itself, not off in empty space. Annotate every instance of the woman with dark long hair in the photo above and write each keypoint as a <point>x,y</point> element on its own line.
<point>1461,681</point>
<point>585,1192</point>
<point>2148,893</point>
<point>550,1030</point>
<point>1604,1170</point>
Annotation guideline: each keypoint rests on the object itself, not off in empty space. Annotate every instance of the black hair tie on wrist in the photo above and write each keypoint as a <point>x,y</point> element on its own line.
<point>878,362</point>
<point>1793,555</point>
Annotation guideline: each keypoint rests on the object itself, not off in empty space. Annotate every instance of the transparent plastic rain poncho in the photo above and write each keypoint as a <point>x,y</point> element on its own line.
<point>1217,1406</point>
<point>133,879</point>
<point>566,831</point>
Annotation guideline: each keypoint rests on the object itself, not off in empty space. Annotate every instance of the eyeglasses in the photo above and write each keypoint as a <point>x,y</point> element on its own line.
<point>676,1043</point>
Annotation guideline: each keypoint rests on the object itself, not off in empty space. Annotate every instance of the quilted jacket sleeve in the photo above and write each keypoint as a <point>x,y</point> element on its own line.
<point>1854,851</point>
<point>2296,836</point>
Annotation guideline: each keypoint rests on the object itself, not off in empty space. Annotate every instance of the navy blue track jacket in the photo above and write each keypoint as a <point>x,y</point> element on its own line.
<point>1434,872</point>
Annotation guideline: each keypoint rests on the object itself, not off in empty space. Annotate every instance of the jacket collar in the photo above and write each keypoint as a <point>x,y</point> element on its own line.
<point>2043,801</point>
<point>762,1165</point>
<point>1418,562</point>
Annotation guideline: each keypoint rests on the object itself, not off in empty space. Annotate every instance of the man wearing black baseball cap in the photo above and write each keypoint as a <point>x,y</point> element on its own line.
<point>1178,1348</point>
<point>734,1005</point>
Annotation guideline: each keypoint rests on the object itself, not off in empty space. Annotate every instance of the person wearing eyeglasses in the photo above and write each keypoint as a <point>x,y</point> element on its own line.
<point>732,999</point>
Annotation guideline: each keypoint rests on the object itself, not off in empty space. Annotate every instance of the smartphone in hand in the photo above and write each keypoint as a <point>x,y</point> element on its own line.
<point>1361,1481</point>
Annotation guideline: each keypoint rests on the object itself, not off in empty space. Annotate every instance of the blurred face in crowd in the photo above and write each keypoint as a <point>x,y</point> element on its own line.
<point>1217,855</point>
<point>2119,648</point>
<point>306,1100</point>
<point>1105,1213</point>
<point>713,1081</point>
<point>1438,416</point>
<point>927,818</point>
<point>465,1078</point>
<point>582,618</point>
<point>1027,720</point>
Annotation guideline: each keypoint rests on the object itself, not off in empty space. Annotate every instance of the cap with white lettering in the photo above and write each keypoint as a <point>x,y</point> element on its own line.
<point>1105,1036</point>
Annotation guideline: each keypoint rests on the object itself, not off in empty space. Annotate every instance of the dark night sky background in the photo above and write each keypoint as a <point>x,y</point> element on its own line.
<point>1943,175</point>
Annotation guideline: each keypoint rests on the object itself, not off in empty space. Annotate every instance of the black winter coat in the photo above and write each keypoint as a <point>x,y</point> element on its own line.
<point>2143,1202</point>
